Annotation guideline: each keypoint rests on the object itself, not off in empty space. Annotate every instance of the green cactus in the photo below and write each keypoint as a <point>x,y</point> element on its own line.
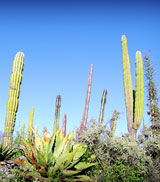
<point>113,122</point>
<point>22,129</point>
<point>103,102</point>
<point>58,105</point>
<point>36,129</point>
<point>133,99</point>
<point>14,92</point>
<point>30,125</point>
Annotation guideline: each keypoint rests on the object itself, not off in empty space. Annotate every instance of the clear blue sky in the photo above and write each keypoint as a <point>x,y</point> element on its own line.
<point>60,41</point>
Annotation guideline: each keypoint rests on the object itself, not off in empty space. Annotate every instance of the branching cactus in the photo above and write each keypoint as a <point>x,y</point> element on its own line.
<point>58,105</point>
<point>85,113</point>
<point>133,99</point>
<point>14,92</point>
<point>30,125</point>
<point>103,102</point>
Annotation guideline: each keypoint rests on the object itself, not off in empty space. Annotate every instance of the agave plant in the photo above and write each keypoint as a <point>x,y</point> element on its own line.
<point>6,152</point>
<point>55,158</point>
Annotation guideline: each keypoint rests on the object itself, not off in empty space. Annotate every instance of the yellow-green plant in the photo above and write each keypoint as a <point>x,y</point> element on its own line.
<point>30,125</point>
<point>103,102</point>
<point>133,99</point>
<point>14,92</point>
<point>55,158</point>
<point>6,152</point>
<point>113,122</point>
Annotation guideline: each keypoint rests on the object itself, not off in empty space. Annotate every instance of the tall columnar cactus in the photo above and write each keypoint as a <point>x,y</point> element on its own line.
<point>85,114</point>
<point>113,122</point>
<point>103,102</point>
<point>14,92</point>
<point>58,105</point>
<point>64,125</point>
<point>22,129</point>
<point>133,99</point>
<point>30,125</point>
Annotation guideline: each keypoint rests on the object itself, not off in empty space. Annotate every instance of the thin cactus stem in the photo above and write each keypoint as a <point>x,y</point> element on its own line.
<point>103,102</point>
<point>22,129</point>
<point>64,125</point>
<point>85,113</point>
<point>113,122</point>
<point>36,129</point>
<point>30,125</point>
<point>56,122</point>
<point>12,103</point>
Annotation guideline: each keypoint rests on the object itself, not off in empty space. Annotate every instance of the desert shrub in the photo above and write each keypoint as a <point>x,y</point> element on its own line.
<point>108,149</point>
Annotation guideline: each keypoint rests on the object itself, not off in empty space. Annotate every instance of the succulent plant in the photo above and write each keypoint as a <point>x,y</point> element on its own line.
<point>6,152</point>
<point>54,157</point>
<point>30,125</point>
<point>133,99</point>
<point>14,92</point>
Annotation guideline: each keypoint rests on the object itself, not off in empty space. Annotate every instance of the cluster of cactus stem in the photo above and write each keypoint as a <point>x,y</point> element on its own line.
<point>133,99</point>
<point>12,103</point>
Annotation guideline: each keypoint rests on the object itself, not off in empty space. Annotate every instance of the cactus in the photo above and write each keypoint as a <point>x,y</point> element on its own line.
<point>14,92</point>
<point>22,129</point>
<point>113,122</point>
<point>103,102</point>
<point>30,125</point>
<point>64,125</point>
<point>85,114</point>
<point>58,105</point>
<point>133,99</point>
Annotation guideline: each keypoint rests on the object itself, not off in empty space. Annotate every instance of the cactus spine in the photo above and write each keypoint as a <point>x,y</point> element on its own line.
<point>113,122</point>
<point>103,102</point>
<point>133,99</point>
<point>14,92</point>
<point>64,125</point>
<point>30,125</point>
<point>58,105</point>
<point>85,113</point>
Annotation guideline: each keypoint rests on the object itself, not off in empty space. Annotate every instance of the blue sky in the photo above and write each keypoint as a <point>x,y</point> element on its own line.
<point>60,39</point>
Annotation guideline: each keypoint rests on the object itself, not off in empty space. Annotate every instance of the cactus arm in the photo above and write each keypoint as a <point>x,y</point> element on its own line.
<point>103,102</point>
<point>56,122</point>
<point>85,113</point>
<point>127,84</point>
<point>139,94</point>
<point>14,92</point>
<point>30,125</point>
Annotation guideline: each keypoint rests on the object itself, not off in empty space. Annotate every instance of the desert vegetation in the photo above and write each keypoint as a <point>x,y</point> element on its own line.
<point>93,153</point>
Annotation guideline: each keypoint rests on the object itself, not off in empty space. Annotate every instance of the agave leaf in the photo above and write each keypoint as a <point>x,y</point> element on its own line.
<point>59,145</point>
<point>80,150</point>
<point>70,172</point>
<point>38,141</point>
<point>51,143</point>
<point>52,171</point>
<point>83,165</point>
<point>40,159</point>
<point>64,160</point>
<point>69,143</point>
